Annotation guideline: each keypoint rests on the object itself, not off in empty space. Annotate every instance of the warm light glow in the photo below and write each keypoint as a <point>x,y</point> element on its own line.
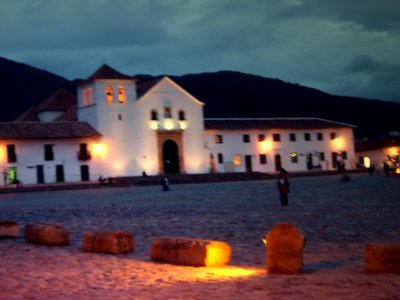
<point>154,125</point>
<point>169,124</point>
<point>121,94</point>
<point>99,149</point>
<point>293,154</point>
<point>234,272</point>
<point>1,153</point>
<point>265,146</point>
<point>182,125</point>
<point>367,162</point>
<point>237,160</point>
<point>119,166</point>
<point>338,143</point>
<point>264,241</point>
<point>398,170</point>
<point>393,151</point>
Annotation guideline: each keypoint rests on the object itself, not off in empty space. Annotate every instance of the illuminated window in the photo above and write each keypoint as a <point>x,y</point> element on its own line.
<point>220,158</point>
<point>292,137</point>
<point>320,136</point>
<point>261,137</point>
<point>167,112</point>
<point>276,137</point>
<point>84,97</point>
<point>154,115</point>
<point>237,160</point>
<point>246,138</point>
<point>90,96</point>
<point>263,159</point>
<point>307,137</point>
<point>121,94</point>
<point>181,115</point>
<point>333,135</point>
<point>109,94</point>
<point>218,139</point>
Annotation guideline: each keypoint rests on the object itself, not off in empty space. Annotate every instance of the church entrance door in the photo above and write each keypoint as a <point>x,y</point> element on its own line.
<point>170,157</point>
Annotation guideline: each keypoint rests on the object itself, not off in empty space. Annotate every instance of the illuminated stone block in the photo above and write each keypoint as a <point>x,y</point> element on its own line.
<point>47,234</point>
<point>191,252</point>
<point>284,249</point>
<point>9,229</point>
<point>109,242</point>
<point>382,258</point>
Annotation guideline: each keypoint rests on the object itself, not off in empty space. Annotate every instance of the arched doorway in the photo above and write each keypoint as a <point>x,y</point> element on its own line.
<point>170,157</point>
<point>278,162</point>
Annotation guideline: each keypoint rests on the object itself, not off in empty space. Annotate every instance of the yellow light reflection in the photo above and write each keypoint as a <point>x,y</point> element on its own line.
<point>393,151</point>
<point>367,162</point>
<point>154,125</point>
<point>235,272</point>
<point>169,124</point>
<point>266,146</point>
<point>182,125</point>
<point>1,153</point>
<point>339,143</point>
<point>99,149</point>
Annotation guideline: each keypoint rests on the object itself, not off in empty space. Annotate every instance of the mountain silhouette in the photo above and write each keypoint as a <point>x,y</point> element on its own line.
<point>226,94</point>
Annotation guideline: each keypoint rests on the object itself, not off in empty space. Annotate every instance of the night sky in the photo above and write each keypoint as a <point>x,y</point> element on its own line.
<point>344,47</point>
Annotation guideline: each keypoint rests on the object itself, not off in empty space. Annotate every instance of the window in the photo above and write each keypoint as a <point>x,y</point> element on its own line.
<point>109,95</point>
<point>246,138</point>
<point>220,158</point>
<point>263,159</point>
<point>83,153</point>
<point>307,136</point>
<point>320,136</point>
<point>292,137</point>
<point>154,115</point>
<point>261,137</point>
<point>11,155</point>
<point>276,137</point>
<point>333,135</point>
<point>344,155</point>
<point>237,160</point>
<point>322,156</point>
<point>294,157</point>
<point>119,117</point>
<point>167,112</point>
<point>48,152</point>
<point>121,94</point>
<point>218,139</point>
<point>181,115</point>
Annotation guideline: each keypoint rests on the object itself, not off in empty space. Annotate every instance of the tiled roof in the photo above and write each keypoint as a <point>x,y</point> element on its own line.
<point>271,123</point>
<point>61,101</point>
<point>46,130</point>
<point>393,141</point>
<point>106,72</point>
<point>143,88</point>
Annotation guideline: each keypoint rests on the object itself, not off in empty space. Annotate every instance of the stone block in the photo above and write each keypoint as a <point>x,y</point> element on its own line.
<point>190,252</point>
<point>47,234</point>
<point>109,242</point>
<point>285,245</point>
<point>382,258</point>
<point>9,229</point>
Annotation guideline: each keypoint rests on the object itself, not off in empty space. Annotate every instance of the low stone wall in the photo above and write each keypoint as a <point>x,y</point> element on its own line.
<point>109,242</point>
<point>9,229</point>
<point>47,234</point>
<point>191,252</point>
<point>382,258</point>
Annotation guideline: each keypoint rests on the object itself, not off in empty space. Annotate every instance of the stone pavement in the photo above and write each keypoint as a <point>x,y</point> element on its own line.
<point>337,218</point>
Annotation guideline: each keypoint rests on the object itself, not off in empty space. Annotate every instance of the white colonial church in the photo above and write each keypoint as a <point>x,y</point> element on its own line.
<point>116,127</point>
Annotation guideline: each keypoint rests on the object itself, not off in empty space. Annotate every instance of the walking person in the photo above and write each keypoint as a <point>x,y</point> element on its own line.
<point>283,187</point>
<point>165,184</point>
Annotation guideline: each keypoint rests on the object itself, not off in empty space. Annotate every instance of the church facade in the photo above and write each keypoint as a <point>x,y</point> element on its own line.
<point>117,127</point>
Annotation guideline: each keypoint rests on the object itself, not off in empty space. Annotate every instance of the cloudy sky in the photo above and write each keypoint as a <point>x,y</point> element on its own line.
<point>345,47</point>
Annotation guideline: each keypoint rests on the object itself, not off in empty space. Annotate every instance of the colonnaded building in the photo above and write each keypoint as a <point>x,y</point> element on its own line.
<point>117,127</point>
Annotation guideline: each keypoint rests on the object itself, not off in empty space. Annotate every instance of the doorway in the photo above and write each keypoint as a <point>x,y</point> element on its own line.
<point>247,161</point>
<point>84,172</point>
<point>59,173</point>
<point>40,174</point>
<point>309,161</point>
<point>170,157</point>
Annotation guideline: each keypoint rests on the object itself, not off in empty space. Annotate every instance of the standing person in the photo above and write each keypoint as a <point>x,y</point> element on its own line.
<point>283,187</point>
<point>5,177</point>
<point>165,184</point>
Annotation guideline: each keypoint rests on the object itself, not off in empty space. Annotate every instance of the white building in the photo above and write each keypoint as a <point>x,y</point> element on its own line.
<point>116,127</point>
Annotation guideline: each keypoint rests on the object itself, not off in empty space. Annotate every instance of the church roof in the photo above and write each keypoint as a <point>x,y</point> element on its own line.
<point>270,123</point>
<point>390,141</point>
<point>61,101</point>
<point>47,130</point>
<point>106,72</point>
<point>143,88</point>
